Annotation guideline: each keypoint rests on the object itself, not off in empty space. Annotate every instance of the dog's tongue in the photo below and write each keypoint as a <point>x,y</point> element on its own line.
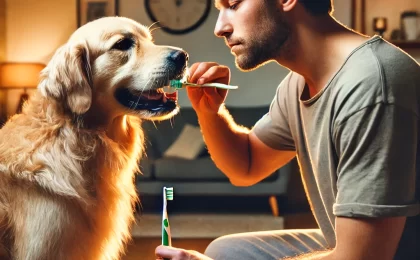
<point>173,96</point>
<point>152,95</point>
<point>164,96</point>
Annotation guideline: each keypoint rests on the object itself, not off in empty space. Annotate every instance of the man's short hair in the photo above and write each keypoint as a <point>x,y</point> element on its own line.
<point>318,7</point>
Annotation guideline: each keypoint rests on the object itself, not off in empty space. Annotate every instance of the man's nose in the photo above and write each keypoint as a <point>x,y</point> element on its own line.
<point>223,27</point>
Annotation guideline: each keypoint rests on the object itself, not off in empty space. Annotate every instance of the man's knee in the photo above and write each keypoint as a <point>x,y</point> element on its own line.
<point>222,248</point>
<point>264,245</point>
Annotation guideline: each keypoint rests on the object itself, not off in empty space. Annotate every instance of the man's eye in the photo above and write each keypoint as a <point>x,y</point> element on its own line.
<point>123,44</point>
<point>234,5</point>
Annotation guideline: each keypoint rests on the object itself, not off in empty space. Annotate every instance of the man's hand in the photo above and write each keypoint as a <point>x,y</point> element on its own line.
<point>173,253</point>
<point>207,100</point>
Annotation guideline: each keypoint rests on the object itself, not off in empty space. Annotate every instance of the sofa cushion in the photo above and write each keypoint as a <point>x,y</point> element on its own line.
<point>160,135</point>
<point>247,116</point>
<point>188,145</point>
<point>202,169</point>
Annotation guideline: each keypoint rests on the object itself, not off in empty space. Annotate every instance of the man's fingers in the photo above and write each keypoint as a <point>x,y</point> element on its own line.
<point>174,253</point>
<point>192,69</point>
<point>170,252</point>
<point>215,92</point>
<point>215,74</point>
<point>221,92</point>
<point>196,71</point>
<point>195,93</point>
<point>164,251</point>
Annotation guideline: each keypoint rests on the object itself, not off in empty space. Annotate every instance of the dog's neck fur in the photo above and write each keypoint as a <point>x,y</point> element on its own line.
<point>94,167</point>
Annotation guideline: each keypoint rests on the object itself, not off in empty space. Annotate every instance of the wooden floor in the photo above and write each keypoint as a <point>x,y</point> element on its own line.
<point>144,248</point>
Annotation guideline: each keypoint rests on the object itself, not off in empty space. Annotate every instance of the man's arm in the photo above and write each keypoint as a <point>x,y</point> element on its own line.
<point>238,152</point>
<point>363,238</point>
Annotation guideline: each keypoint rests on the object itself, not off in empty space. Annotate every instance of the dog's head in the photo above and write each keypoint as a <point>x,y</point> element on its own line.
<point>111,66</point>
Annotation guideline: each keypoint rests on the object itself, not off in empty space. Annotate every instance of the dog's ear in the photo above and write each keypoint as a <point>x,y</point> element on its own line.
<point>68,77</point>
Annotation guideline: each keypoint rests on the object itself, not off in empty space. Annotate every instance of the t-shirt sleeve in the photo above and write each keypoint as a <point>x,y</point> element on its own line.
<point>376,148</point>
<point>273,128</point>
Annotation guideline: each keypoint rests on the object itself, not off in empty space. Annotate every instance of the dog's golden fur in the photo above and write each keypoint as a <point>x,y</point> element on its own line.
<point>68,161</point>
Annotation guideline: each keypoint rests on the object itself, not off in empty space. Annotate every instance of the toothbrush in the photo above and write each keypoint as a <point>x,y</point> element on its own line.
<point>178,84</point>
<point>168,194</point>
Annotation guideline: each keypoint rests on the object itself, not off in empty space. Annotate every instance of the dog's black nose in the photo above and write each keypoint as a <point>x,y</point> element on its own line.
<point>179,57</point>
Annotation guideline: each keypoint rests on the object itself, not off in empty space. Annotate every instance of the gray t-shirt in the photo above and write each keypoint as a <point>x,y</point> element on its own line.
<point>357,141</point>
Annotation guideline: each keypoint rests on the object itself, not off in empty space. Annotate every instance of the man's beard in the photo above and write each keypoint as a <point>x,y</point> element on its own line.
<point>267,46</point>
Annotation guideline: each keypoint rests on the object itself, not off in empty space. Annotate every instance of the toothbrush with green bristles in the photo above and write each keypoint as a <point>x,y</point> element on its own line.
<point>179,84</point>
<point>168,194</point>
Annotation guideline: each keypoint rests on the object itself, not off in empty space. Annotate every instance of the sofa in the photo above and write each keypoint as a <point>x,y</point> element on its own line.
<point>199,175</point>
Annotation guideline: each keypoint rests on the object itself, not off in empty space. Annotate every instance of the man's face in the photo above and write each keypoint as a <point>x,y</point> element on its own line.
<point>254,30</point>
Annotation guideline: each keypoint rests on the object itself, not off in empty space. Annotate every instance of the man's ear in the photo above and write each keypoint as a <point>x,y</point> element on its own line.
<point>68,77</point>
<point>288,5</point>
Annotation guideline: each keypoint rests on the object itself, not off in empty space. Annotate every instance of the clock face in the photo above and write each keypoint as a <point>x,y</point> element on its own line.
<point>178,16</point>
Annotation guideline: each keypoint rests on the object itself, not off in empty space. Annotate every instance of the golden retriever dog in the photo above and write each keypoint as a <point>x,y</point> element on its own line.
<point>68,161</point>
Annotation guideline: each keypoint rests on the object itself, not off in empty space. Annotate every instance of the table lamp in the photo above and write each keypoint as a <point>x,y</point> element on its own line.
<point>17,76</point>
<point>380,25</point>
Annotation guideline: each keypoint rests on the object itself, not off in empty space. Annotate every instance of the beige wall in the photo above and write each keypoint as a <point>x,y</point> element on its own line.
<point>2,30</point>
<point>390,9</point>
<point>34,30</point>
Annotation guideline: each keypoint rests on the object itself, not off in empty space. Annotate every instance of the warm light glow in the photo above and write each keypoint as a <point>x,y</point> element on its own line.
<point>380,24</point>
<point>20,75</point>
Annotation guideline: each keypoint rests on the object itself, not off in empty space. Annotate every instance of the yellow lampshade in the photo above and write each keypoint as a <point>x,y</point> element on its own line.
<point>20,75</point>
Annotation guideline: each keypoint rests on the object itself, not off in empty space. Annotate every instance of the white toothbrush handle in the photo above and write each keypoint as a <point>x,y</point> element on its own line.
<point>214,84</point>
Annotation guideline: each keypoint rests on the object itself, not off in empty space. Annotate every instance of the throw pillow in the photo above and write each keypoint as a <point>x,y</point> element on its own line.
<point>188,145</point>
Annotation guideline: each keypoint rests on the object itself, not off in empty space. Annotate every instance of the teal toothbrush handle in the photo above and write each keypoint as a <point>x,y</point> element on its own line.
<point>166,233</point>
<point>166,239</point>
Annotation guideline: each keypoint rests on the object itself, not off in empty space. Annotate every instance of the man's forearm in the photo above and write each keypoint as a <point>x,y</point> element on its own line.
<point>227,143</point>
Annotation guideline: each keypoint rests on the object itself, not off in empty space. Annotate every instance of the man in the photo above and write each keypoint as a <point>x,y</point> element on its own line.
<point>348,110</point>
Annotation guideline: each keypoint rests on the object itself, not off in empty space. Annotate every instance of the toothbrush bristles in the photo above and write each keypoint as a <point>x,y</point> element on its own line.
<point>169,192</point>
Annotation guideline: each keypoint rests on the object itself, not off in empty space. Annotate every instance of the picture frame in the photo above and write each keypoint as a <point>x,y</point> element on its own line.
<point>89,10</point>
<point>357,14</point>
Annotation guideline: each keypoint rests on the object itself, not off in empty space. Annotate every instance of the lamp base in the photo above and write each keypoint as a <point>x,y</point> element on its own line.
<point>23,98</point>
<point>3,108</point>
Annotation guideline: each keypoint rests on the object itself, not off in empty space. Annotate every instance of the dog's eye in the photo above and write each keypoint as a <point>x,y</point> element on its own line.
<point>123,44</point>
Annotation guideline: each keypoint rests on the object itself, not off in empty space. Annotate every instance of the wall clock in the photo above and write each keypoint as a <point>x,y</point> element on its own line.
<point>178,16</point>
